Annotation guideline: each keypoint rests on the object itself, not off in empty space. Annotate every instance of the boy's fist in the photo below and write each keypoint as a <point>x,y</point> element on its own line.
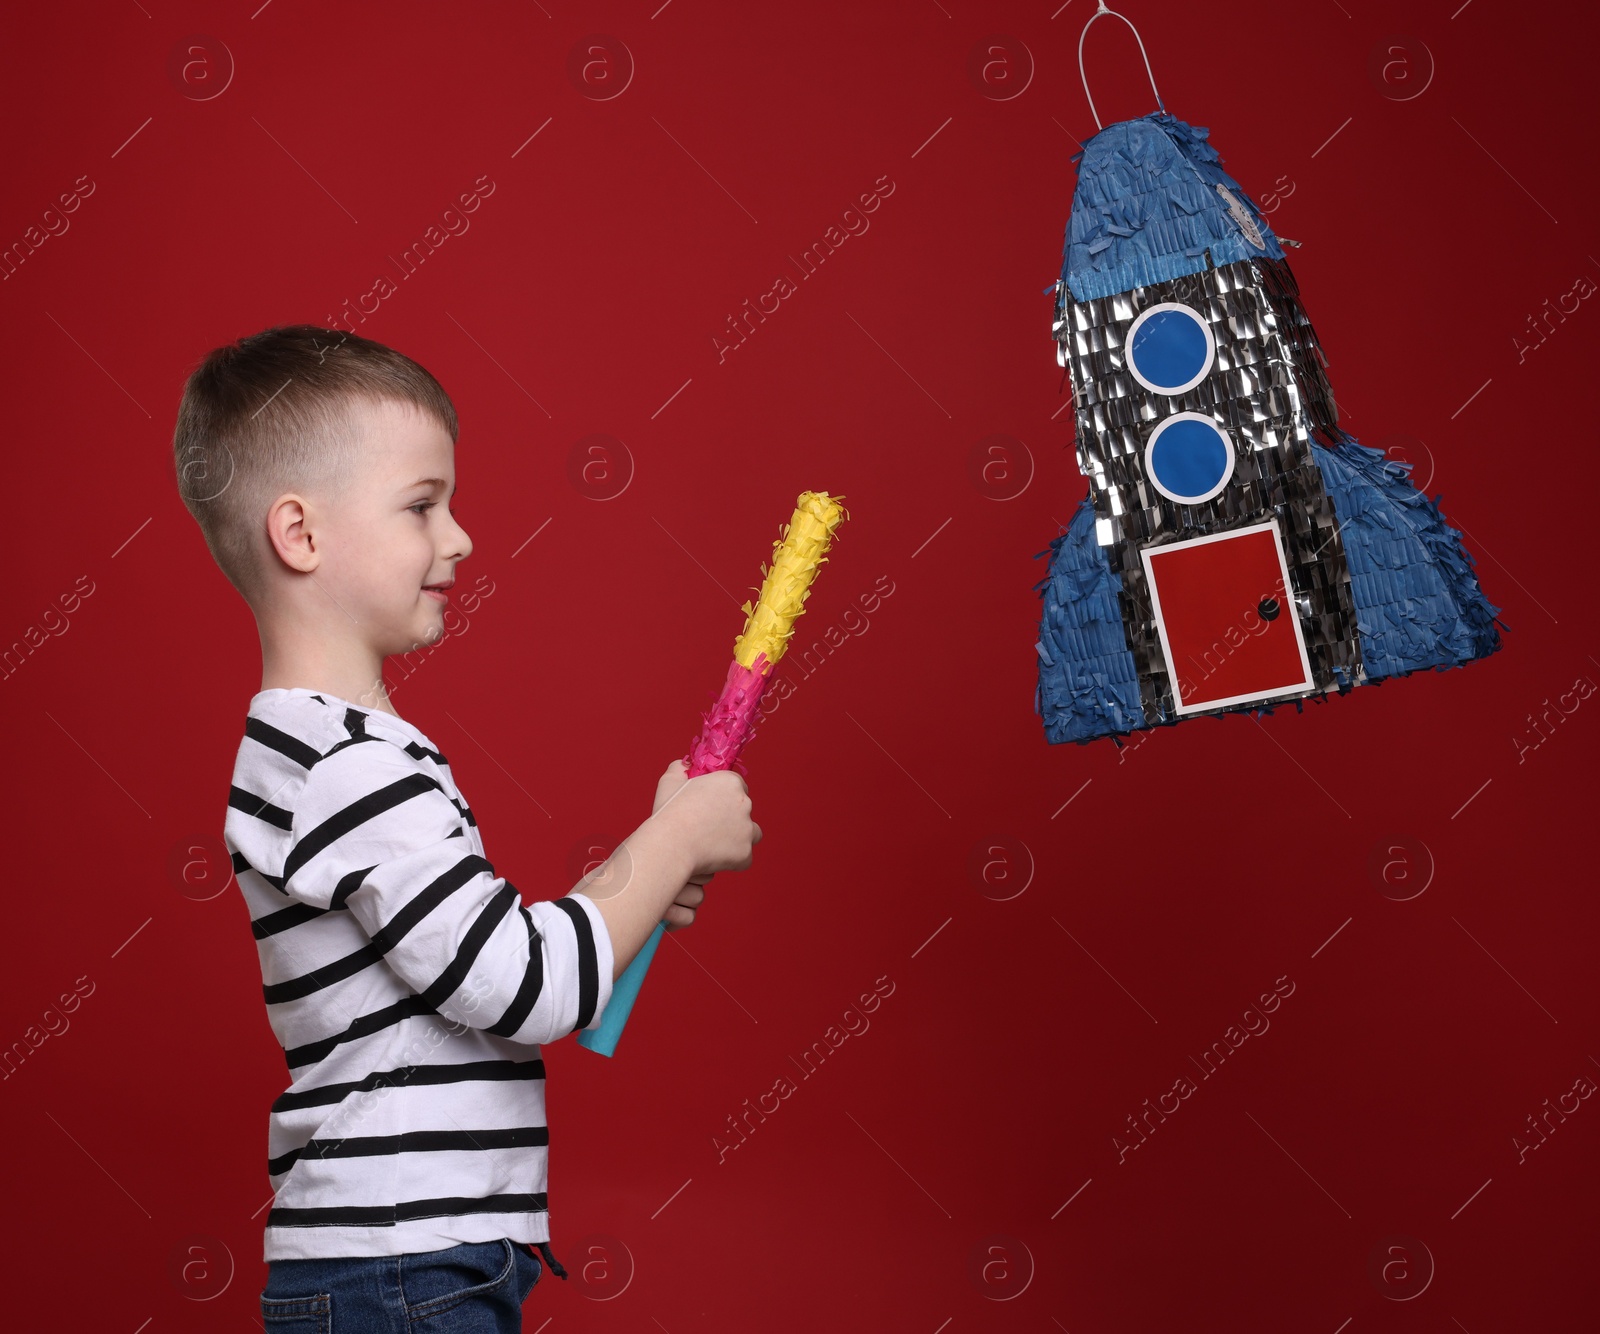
<point>712,812</point>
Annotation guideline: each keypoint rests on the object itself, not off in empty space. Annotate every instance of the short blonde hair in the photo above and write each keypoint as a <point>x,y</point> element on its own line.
<point>270,413</point>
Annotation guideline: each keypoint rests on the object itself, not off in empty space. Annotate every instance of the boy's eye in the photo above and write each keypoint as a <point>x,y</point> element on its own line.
<point>421,506</point>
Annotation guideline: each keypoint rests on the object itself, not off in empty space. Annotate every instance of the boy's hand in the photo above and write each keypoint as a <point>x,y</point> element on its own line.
<point>682,911</point>
<point>713,813</point>
<point>667,785</point>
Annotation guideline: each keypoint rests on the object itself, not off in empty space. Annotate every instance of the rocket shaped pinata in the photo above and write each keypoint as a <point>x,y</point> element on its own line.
<point>1237,549</point>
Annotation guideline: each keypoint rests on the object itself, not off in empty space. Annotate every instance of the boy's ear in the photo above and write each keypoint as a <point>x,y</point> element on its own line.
<point>290,532</point>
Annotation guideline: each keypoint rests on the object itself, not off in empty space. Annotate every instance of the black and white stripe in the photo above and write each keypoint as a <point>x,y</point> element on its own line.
<point>407,982</point>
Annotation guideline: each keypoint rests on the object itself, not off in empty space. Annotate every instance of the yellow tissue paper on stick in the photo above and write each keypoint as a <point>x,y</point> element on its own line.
<point>800,553</point>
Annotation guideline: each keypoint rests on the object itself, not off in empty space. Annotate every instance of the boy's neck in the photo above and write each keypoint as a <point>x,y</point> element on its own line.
<point>345,671</point>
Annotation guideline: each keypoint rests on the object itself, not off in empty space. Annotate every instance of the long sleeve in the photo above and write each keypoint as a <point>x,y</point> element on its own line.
<point>375,832</point>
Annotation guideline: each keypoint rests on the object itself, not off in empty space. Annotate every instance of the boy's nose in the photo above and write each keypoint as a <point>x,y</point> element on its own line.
<point>461,543</point>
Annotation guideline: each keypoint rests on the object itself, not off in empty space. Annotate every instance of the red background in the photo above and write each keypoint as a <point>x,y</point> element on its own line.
<point>1172,883</point>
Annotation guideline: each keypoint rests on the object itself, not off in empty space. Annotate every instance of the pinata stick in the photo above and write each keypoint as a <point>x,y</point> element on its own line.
<point>800,551</point>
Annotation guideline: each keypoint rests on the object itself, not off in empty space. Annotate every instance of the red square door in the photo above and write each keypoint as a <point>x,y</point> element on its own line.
<point>1228,627</point>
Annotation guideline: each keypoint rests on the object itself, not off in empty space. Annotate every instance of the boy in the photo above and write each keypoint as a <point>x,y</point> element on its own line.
<point>408,984</point>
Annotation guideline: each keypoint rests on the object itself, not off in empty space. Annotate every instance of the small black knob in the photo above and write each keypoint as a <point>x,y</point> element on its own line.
<point>1269,609</point>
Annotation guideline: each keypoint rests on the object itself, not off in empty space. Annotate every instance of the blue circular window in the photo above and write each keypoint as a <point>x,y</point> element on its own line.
<point>1170,348</point>
<point>1189,458</point>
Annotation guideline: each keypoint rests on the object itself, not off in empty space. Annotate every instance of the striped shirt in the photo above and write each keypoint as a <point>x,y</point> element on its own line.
<point>407,983</point>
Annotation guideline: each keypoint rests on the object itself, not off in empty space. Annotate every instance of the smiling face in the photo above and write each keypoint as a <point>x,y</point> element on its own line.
<point>390,543</point>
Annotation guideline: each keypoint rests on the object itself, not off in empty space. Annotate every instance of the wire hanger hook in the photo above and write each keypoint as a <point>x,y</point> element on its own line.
<point>1103,11</point>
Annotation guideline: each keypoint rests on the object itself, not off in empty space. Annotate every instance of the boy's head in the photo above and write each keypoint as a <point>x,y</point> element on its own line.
<point>319,466</point>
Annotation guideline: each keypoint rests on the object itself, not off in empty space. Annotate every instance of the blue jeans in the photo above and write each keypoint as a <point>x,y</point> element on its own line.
<point>474,1288</point>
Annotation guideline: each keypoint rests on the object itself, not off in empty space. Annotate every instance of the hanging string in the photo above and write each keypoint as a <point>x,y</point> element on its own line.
<point>1104,12</point>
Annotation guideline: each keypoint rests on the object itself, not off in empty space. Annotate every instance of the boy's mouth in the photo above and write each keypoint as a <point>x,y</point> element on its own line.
<point>439,591</point>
